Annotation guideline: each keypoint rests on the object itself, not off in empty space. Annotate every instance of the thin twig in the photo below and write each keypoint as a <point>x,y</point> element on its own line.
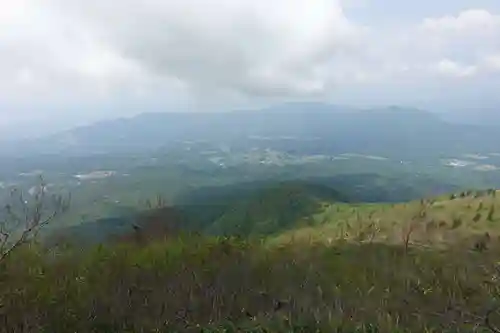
<point>32,219</point>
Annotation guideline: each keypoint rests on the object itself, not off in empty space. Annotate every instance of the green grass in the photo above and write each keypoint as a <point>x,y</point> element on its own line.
<point>233,285</point>
<point>445,221</point>
<point>423,266</point>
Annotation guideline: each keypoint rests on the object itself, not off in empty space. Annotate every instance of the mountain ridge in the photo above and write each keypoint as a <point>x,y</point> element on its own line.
<point>330,123</point>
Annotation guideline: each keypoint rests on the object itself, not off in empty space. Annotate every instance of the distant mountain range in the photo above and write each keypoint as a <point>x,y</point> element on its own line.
<point>395,131</point>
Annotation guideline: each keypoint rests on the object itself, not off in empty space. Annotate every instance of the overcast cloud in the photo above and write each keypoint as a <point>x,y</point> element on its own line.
<point>82,60</point>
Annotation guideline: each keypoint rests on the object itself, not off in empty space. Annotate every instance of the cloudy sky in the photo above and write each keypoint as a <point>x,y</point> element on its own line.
<point>74,61</point>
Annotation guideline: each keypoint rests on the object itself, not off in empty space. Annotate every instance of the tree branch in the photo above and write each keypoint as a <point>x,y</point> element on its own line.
<point>32,219</point>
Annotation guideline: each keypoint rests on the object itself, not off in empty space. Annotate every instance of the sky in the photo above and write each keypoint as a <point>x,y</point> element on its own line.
<point>69,62</point>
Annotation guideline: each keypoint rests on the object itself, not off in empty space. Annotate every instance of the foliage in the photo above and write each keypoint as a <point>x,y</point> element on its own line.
<point>273,210</point>
<point>232,285</point>
<point>310,264</point>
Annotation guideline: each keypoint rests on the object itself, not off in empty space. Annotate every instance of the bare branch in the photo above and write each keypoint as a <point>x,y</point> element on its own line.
<point>25,235</point>
<point>4,239</point>
<point>31,220</point>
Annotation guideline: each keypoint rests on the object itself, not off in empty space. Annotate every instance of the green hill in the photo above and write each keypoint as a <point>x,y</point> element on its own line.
<point>444,220</point>
<point>274,209</point>
<point>291,211</point>
<point>237,211</point>
<point>315,263</point>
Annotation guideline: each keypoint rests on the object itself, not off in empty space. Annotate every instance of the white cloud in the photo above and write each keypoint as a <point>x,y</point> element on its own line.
<point>492,62</point>
<point>253,47</point>
<point>468,22</point>
<point>461,46</point>
<point>103,51</point>
<point>469,36</point>
<point>448,67</point>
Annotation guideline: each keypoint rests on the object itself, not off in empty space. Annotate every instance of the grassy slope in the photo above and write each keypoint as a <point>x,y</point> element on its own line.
<point>346,270</point>
<point>185,284</point>
<point>431,222</point>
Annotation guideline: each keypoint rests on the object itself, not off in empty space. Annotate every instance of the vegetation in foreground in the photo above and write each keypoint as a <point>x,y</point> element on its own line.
<point>190,283</point>
<point>321,278</point>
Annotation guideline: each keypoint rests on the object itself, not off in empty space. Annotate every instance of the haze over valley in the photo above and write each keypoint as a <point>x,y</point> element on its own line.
<point>249,166</point>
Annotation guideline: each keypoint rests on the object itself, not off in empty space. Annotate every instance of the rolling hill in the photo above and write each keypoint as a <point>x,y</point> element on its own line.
<point>262,210</point>
<point>468,216</point>
<point>273,210</point>
<point>313,260</point>
<point>303,211</point>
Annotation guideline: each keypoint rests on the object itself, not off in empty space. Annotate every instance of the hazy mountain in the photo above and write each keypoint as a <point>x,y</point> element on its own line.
<point>482,115</point>
<point>395,131</point>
